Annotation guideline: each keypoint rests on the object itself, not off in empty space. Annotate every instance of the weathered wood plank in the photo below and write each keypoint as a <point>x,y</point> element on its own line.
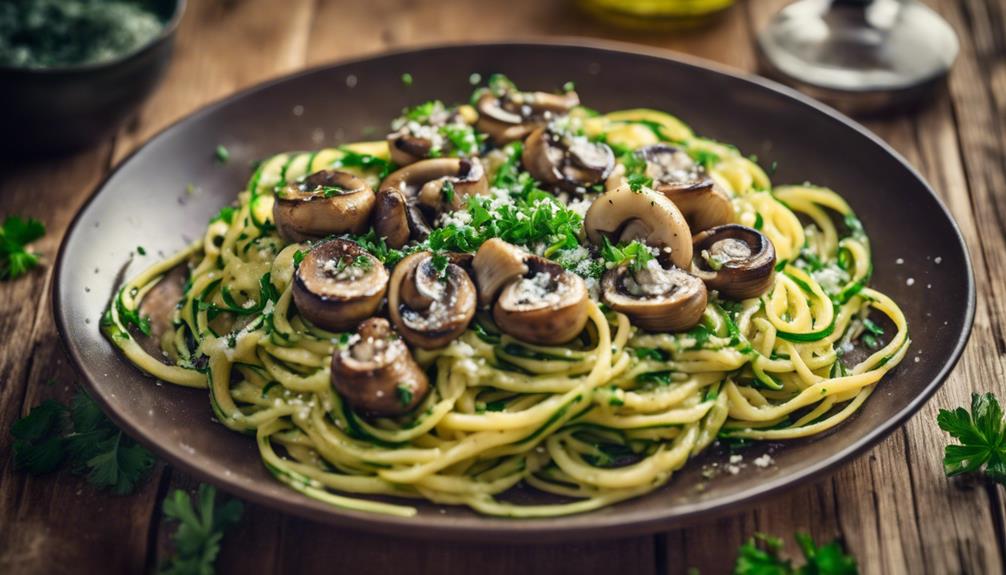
<point>42,518</point>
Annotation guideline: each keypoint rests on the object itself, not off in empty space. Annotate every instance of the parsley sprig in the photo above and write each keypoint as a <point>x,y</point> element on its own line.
<point>201,527</point>
<point>52,433</point>
<point>15,235</point>
<point>760,556</point>
<point>982,437</point>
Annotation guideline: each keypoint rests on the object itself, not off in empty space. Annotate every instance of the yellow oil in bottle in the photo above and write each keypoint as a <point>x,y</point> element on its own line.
<point>655,14</point>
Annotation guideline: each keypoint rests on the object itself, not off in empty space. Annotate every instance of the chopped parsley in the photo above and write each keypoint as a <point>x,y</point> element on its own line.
<point>226,215</point>
<point>635,254</point>
<point>440,263</point>
<point>201,527</point>
<point>404,393</point>
<point>15,236</point>
<point>331,191</point>
<point>141,250</point>
<point>81,435</point>
<point>298,256</point>
<point>447,192</point>
<point>705,158</point>
<point>351,159</point>
<point>568,87</point>
<point>760,556</point>
<point>981,435</point>
<point>639,181</point>
<point>222,154</point>
<point>407,79</point>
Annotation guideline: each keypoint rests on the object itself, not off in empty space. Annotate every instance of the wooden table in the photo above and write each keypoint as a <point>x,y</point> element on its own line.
<point>893,507</point>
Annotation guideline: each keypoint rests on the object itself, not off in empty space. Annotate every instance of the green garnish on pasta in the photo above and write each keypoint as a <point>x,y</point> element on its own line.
<point>519,291</point>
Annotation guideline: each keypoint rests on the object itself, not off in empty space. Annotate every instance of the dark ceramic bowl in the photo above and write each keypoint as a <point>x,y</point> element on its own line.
<point>144,202</point>
<point>60,109</point>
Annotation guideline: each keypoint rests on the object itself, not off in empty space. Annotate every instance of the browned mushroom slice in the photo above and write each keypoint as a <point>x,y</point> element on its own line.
<point>623,215</point>
<point>325,203</point>
<point>338,285</point>
<point>411,197</point>
<point>430,307</point>
<point>420,136</point>
<point>512,115</point>
<point>654,298</point>
<point>376,373</point>
<point>497,264</point>
<point>547,306</point>
<point>685,182</point>
<point>572,163</point>
<point>736,260</point>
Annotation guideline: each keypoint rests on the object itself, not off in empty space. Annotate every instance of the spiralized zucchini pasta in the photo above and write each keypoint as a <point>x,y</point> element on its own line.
<point>518,290</point>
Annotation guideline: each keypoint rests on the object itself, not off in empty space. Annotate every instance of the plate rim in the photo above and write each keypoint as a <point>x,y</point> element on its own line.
<point>596,526</point>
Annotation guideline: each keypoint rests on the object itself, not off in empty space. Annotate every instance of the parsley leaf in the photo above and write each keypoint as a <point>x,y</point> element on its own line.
<point>982,437</point>
<point>38,446</point>
<point>109,458</point>
<point>93,444</point>
<point>760,556</point>
<point>15,235</point>
<point>200,530</point>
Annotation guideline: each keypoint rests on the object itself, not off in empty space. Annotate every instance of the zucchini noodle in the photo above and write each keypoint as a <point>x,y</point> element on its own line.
<point>605,418</point>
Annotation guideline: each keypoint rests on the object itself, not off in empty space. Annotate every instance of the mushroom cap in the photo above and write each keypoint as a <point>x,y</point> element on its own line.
<point>415,141</point>
<point>338,285</point>
<point>745,260</point>
<point>496,264</point>
<point>570,162</point>
<point>546,307</point>
<point>325,203</point>
<point>654,298</point>
<point>623,215</point>
<point>376,369</point>
<point>409,198</point>
<point>685,182</point>
<point>428,308</point>
<point>512,115</point>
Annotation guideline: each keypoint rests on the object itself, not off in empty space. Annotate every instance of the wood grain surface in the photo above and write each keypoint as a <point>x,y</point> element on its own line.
<point>893,507</point>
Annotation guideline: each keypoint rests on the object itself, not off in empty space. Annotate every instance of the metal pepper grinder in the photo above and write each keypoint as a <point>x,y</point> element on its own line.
<point>860,56</point>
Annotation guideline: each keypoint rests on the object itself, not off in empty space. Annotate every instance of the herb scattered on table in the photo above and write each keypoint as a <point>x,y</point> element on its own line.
<point>222,154</point>
<point>201,527</point>
<point>982,437</point>
<point>760,556</point>
<point>82,436</point>
<point>15,236</point>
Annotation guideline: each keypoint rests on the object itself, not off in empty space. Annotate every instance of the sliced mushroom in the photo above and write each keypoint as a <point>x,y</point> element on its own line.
<point>655,298</point>
<point>325,203</point>
<point>512,115</point>
<point>736,260</point>
<point>414,140</point>
<point>685,182</point>
<point>410,198</point>
<point>376,373</point>
<point>623,215</point>
<point>566,161</point>
<point>338,285</point>
<point>496,264</point>
<point>430,307</point>
<point>538,302</point>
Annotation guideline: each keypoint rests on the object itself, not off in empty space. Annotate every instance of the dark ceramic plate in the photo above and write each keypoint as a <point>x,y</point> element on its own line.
<point>144,202</point>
